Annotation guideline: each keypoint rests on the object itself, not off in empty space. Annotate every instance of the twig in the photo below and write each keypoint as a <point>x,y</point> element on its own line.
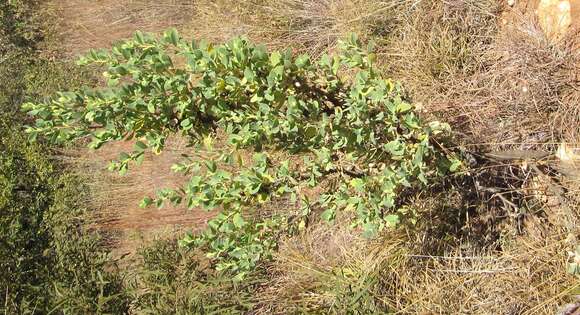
<point>452,257</point>
<point>475,271</point>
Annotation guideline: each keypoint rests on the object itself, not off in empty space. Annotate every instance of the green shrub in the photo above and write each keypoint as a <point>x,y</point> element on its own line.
<point>357,136</point>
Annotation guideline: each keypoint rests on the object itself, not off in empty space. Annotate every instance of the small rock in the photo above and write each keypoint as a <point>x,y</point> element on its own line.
<point>555,17</point>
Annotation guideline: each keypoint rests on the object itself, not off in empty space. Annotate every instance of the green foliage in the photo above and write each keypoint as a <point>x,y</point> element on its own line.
<point>49,262</point>
<point>19,25</point>
<point>172,280</point>
<point>357,136</point>
<point>24,176</point>
<point>236,245</point>
<point>574,266</point>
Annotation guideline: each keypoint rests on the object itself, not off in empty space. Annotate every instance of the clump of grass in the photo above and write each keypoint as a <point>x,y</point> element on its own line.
<point>493,75</point>
<point>434,46</point>
<point>527,276</point>
<point>170,280</point>
<point>527,85</point>
<point>460,257</point>
<point>474,251</point>
<point>329,269</point>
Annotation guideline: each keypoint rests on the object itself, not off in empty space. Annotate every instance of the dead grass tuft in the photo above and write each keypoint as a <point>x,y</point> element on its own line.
<point>529,82</point>
<point>492,73</point>
<point>433,46</point>
<point>528,277</point>
<point>307,26</point>
<point>328,269</point>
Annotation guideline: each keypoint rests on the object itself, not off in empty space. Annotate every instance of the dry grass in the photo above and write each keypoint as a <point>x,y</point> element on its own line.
<point>492,73</point>
<point>98,24</point>
<point>116,198</point>
<point>435,45</point>
<point>529,83</point>
<point>528,278</point>
<point>311,26</point>
<point>328,269</point>
<point>331,269</point>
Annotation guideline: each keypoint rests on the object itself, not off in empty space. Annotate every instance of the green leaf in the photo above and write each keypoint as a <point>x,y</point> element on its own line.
<point>238,220</point>
<point>211,166</point>
<point>392,220</point>
<point>249,75</point>
<point>328,214</point>
<point>455,164</point>
<point>139,38</point>
<point>123,156</point>
<point>302,61</point>
<point>394,147</point>
<point>171,36</point>
<point>146,202</point>
<point>123,169</point>
<point>186,124</point>
<point>278,71</point>
<point>140,158</point>
<point>370,230</point>
<point>403,107</point>
<point>358,184</point>
<point>354,39</point>
<point>335,65</point>
<point>140,146</point>
<point>90,116</point>
<point>325,61</point>
<point>275,58</point>
<point>573,269</point>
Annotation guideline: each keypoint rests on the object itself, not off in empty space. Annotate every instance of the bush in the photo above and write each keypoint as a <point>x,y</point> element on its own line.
<point>357,138</point>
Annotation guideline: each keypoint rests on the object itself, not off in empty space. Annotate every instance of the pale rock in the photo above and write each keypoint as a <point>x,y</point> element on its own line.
<point>555,17</point>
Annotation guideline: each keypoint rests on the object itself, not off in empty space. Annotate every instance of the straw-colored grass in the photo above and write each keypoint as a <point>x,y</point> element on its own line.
<point>116,198</point>
<point>308,26</point>
<point>85,25</point>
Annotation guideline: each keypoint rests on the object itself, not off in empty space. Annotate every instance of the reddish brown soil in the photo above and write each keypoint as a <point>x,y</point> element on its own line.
<point>575,12</point>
